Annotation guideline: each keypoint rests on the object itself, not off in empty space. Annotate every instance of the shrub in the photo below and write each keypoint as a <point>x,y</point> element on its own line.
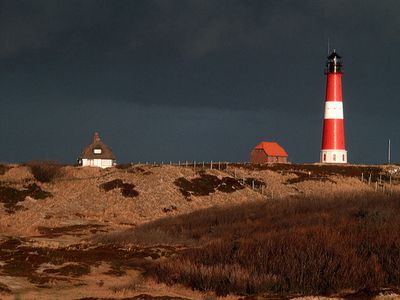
<point>45,171</point>
<point>131,168</point>
<point>123,166</point>
<point>10,196</point>
<point>309,176</point>
<point>111,185</point>
<point>307,245</point>
<point>3,169</point>
<point>4,289</point>
<point>207,184</point>
<point>127,189</point>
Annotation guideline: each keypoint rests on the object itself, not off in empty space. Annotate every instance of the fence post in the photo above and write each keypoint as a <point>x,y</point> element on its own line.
<point>194,166</point>
<point>203,164</point>
<point>211,165</point>
<point>369,179</point>
<point>219,165</point>
<point>186,164</point>
<point>252,184</point>
<point>362,177</point>
<point>376,185</point>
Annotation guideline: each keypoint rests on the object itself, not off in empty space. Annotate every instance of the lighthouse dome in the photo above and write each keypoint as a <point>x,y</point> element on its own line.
<point>334,55</point>
<point>334,63</point>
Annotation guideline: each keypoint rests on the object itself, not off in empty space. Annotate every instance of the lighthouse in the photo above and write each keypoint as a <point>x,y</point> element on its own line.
<point>333,142</point>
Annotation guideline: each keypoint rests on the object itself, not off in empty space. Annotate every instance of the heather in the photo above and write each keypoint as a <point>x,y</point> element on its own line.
<point>320,245</point>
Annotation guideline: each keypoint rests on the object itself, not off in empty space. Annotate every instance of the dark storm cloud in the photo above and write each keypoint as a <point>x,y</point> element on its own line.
<point>195,49</point>
<point>259,61</point>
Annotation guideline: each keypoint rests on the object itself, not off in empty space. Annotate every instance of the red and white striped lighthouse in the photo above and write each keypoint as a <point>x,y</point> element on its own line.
<point>333,144</point>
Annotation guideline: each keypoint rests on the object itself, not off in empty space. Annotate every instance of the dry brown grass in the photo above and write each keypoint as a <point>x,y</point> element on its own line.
<point>308,246</point>
<point>222,236</point>
<point>322,170</point>
<point>45,171</point>
<point>4,169</point>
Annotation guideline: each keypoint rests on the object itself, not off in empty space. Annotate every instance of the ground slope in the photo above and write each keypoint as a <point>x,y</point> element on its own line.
<point>45,227</point>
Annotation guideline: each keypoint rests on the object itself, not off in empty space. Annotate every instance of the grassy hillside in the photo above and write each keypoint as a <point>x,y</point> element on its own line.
<point>191,232</point>
<point>318,246</point>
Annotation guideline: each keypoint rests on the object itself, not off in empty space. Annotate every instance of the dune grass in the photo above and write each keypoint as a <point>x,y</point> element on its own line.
<point>306,245</point>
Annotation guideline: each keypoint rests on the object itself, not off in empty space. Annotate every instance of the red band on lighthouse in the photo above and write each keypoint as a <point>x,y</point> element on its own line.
<point>333,141</point>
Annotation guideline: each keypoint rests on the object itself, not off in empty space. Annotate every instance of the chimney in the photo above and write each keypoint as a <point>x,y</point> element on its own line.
<point>96,137</point>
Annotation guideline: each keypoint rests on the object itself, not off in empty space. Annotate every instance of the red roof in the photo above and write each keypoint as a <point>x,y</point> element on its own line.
<point>272,149</point>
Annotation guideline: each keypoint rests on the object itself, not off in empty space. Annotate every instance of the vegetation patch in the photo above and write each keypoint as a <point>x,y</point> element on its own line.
<point>22,260</point>
<point>309,246</point>
<point>115,271</point>
<point>139,297</point>
<point>308,176</point>
<point>10,196</point>
<point>320,172</point>
<point>127,189</point>
<point>4,289</point>
<point>131,168</point>
<point>45,171</point>
<point>74,230</point>
<point>317,169</point>
<point>42,281</point>
<point>4,169</point>
<point>256,182</point>
<point>124,166</point>
<point>207,184</point>
<point>74,270</point>
<point>169,209</point>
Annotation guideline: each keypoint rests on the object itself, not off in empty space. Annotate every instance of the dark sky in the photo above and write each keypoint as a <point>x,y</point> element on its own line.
<point>194,80</point>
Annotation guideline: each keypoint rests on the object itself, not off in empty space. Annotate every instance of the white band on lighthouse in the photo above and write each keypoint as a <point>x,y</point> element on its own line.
<point>334,156</point>
<point>333,110</point>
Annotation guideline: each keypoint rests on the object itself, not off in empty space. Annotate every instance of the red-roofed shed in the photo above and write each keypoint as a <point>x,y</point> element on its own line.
<point>268,152</point>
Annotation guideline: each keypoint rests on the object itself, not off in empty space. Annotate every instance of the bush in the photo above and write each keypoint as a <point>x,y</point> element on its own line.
<point>45,171</point>
<point>308,246</point>
<point>10,196</point>
<point>127,189</point>
<point>3,169</point>
<point>123,166</point>
<point>207,184</point>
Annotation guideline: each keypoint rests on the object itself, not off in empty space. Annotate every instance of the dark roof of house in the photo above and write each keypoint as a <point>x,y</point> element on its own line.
<point>88,152</point>
<point>271,149</point>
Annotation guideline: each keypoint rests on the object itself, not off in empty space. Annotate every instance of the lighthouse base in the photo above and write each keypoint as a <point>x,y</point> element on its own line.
<point>333,156</point>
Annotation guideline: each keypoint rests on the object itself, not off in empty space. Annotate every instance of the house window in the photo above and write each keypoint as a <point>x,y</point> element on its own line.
<point>343,157</point>
<point>334,157</point>
<point>324,157</point>
<point>97,151</point>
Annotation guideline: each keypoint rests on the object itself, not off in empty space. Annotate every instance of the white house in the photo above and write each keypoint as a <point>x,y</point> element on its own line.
<point>97,154</point>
